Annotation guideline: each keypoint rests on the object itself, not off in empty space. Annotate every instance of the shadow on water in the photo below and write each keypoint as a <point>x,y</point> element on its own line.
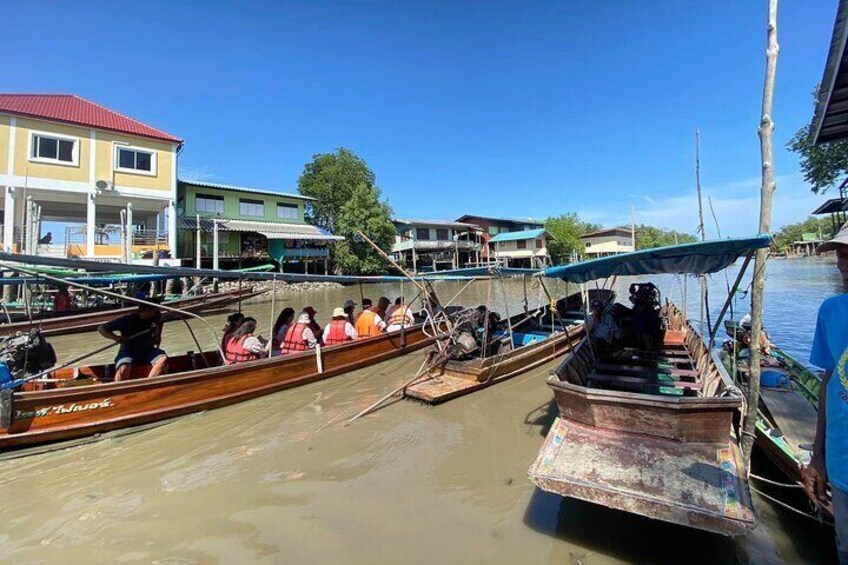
<point>543,416</point>
<point>622,535</point>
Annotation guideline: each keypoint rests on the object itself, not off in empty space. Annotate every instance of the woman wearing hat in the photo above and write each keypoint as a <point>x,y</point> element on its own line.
<point>300,336</point>
<point>339,330</point>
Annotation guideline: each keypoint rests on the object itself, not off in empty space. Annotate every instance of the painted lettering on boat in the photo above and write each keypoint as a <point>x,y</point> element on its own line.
<point>62,409</point>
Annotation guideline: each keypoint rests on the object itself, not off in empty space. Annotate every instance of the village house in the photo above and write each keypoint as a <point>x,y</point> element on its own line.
<point>525,248</point>
<point>431,245</point>
<point>251,225</point>
<point>606,242</point>
<point>493,226</point>
<point>66,159</point>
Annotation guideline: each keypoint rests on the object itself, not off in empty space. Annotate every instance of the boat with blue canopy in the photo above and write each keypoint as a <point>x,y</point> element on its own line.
<point>648,415</point>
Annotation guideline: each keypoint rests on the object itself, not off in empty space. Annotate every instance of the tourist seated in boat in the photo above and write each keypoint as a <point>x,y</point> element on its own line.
<point>281,327</point>
<point>382,307</point>
<point>486,322</point>
<point>401,316</point>
<point>339,330</point>
<point>63,302</point>
<point>391,309</point>
<point>243,345</point>
<point>314,325</point>
<point>647,322</point>
<point>140,335</point>
<point>349,307</point>
<point>233,322</point>
<point>300,336</point>
<point>368,322</point>
<point>603,329</point>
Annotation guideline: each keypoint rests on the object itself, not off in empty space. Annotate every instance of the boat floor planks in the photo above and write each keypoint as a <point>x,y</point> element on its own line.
<point>659,478</point>
<point>794,415</point>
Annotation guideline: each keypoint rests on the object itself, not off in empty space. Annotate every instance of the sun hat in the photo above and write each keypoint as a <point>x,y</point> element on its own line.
<point>840,239</point>
<point>303,319</point>
<point>339,313</point>
<point>311,311</point>
<point>349,304</point>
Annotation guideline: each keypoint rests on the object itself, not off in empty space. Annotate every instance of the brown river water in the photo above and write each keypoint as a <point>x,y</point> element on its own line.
<point>269,481</point>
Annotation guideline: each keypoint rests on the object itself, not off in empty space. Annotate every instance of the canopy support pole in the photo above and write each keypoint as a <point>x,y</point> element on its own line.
<point>731,293</point>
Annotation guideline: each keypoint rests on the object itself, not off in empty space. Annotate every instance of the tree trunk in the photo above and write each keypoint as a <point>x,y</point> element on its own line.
<point>766,193</point>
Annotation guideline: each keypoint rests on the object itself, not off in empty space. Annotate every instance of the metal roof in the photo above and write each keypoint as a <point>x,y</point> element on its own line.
<point>529,221</point>
<point>71,109</point>
<point>608,231</point>
<point>246,189</point>
<point>830,122</point>
<point>832,206</point>
<point>517,235</point>
<point>438,223</point>
<point>271,230</point>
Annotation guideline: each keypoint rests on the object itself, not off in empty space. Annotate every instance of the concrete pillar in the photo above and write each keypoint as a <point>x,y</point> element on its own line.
<point>215,250</point>
<point>129,233</point>
<point>90,217</point>
<point>9,220</point>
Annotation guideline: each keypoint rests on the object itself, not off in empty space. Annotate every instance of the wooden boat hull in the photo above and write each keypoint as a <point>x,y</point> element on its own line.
<point>458,378</point>
<point>658,444</point>
<point>77,323</point>
<point>34,418</point>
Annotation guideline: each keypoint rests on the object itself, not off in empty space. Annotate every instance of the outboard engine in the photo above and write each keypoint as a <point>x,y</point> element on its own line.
<point>24,354</point>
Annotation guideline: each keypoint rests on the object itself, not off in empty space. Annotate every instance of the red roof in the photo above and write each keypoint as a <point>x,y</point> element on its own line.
<point>72,109</point>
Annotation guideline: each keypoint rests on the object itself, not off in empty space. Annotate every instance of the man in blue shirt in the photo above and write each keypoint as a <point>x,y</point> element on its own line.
<point>830,352</point>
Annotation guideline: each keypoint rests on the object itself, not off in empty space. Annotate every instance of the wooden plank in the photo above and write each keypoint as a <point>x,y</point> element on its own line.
<point>794,416</point>
<point>642,370</point>
<point>642,381</point>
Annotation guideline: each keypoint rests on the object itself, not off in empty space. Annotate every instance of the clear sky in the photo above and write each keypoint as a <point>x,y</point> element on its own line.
<point>499,108</point>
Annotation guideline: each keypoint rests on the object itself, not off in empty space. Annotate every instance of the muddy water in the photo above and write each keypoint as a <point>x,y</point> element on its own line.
<point>266,481</point>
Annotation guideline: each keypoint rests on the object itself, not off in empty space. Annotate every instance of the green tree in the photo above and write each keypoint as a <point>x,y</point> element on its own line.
<point>648,237</point>
<point>566,231</point>
<point>821,227</point>
<point>822,165</point>
<point>348,200</point>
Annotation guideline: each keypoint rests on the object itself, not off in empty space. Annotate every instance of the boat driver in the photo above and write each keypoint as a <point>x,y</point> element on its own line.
<point>140,337</point>
<point>829,463</point>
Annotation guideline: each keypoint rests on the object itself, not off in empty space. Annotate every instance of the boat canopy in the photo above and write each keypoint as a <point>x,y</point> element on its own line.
<point>687,258</point>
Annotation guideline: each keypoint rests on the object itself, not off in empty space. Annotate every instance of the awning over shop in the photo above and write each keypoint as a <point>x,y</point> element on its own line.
<point>271,230</point>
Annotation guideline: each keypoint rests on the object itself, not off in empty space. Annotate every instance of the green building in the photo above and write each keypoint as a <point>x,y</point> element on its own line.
<point>251,224</point>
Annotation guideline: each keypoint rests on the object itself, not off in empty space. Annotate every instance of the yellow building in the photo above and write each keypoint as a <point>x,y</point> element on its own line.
<point>82,163</point>
<point>610,241</point>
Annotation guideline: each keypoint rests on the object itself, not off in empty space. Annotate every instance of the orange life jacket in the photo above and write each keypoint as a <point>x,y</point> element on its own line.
<point>365,325</point>
<point>234,351</point>
<point>294,341</point>
<point>337,333</point>
<point>399,316</point>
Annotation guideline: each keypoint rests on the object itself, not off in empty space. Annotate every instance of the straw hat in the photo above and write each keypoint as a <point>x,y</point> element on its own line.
<point>339,313</point>
<point>303,319</point>
<point>840,239</point>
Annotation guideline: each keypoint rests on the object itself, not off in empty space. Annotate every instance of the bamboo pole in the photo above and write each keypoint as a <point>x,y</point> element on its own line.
<point>702,278</point>
<point>766,131</point>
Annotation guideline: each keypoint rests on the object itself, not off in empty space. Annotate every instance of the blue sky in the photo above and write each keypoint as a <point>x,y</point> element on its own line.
<point>499,108</point>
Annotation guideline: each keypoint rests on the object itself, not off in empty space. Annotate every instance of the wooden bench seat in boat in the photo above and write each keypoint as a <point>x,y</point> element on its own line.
<point>638,369</point>
<point>653,381</point>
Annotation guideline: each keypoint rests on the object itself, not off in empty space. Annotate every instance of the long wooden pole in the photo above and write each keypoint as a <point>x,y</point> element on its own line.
<point>702,278</point>
<point>766,130</point>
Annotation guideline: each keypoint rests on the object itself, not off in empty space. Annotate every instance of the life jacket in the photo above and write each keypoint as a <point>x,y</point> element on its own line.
<point>399,317</point>
<point>365,325</point>
<point>337,333</point>
<point>294,342</point>
<point>234,352</point>
<point>62,303</point>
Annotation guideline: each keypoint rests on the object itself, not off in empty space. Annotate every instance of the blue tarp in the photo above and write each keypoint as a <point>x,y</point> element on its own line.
<point>689,258</point>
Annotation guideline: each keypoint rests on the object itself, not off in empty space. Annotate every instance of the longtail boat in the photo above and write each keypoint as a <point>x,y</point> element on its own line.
<point>76,323</point>
<point>79,402</point>
<point>650,429</point>
<point>788,411</point>
<point>524,342</point>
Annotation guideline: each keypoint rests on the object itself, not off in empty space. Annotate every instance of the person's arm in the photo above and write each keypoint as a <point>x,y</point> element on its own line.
<point>410,317</point>
<point>157,333</point>
<point>378,321</point>
<point>107,330</point>
<point>326,333</point>
<point>310,338</point>
<point>254,345</point>
<point>350,331</point>
<point>815,477</point>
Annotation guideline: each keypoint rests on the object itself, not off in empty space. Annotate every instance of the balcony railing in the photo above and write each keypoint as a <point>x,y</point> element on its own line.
<point>306,253</point>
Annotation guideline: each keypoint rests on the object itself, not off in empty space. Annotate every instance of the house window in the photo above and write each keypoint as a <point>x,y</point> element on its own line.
<point>539,244</point>
<point>130,159</point>
<point>521,244</point>
<point>422,233</point>
<point>61,150</point>
<point>287,211</point>
<point>251,207</point>
<point>208,204</point>
<point>588,244</point>
<point>442,234</point>
<point>493,230</point>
